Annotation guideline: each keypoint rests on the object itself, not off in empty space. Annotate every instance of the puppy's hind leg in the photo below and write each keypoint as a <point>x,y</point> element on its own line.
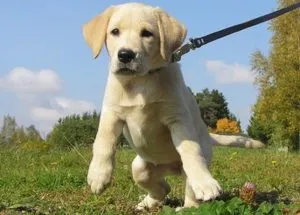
<point>150,178</point>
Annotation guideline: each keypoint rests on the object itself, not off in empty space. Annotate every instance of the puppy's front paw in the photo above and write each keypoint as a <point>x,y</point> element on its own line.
<point>99,177</point>
<point>207,188</point>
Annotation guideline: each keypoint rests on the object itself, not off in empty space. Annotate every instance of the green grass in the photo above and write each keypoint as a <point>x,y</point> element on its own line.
<point>55,183</point>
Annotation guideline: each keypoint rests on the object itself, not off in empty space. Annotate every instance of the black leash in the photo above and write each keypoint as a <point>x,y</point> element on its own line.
<point>198,42</point>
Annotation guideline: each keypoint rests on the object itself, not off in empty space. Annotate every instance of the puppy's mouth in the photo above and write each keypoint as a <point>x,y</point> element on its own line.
<point>126,71</point>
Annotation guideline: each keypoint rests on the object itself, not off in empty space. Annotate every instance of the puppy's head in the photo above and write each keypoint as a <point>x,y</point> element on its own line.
<point>138,38</point>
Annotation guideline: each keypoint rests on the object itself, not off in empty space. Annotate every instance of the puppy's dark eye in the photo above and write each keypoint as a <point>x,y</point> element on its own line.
<point>115,32</point>
<point>146,33</point>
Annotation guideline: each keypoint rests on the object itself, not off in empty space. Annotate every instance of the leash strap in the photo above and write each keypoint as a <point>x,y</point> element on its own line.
<point>198,42</point>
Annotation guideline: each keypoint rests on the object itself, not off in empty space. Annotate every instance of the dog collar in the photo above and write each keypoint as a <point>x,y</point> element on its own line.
<point>155,70</point>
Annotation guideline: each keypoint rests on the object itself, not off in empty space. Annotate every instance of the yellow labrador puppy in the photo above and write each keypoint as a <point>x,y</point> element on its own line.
<point>146,99</point>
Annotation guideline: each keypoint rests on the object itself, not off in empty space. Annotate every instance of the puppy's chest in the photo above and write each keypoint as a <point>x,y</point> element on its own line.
<point>150,121</point>
<point>146,127</point>
<point>150,137</point>
<point>144,121</point>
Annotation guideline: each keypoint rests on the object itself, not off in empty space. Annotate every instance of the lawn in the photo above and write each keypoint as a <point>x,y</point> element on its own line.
<point>54,182</point>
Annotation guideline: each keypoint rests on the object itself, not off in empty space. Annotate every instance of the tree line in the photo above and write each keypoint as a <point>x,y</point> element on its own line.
<point>80,130</point>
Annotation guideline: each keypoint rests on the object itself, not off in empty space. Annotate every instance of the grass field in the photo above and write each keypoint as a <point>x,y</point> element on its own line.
<point>54,182</point>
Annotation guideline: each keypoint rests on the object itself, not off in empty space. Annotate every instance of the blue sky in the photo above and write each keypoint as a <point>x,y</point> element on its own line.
<point>47,70</point>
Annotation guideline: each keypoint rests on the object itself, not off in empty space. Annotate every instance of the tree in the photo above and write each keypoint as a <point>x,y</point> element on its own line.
<point>33,134</point>
<point>19,136</point>
<point>227,126</point>
<point>278,78</point>
<point>256,130</point>
<point>213,106</point>
<point>8,128</point>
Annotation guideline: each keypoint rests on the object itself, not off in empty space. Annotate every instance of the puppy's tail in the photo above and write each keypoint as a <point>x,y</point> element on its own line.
<point>235,141</point>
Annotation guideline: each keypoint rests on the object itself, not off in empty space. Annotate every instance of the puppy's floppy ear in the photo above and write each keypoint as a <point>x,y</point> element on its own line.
<point>94,31</point>
<point>171,32</point>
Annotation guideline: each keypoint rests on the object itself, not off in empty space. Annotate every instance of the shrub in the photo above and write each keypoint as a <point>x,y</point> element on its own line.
<point>74,130</point>
<point>227,126</point>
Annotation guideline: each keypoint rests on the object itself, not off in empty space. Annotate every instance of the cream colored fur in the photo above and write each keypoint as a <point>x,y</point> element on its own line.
<point>155,111</point>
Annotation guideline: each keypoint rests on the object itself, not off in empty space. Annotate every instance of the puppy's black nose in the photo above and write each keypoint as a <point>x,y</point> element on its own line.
<point>126,55</point>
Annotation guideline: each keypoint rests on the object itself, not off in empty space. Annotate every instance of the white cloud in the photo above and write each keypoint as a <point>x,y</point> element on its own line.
<point>229,73</point>
<point>44,114</point>
<point>60,107</point>
<point>69,106</point>
<point>22,80</point>
<point>39,95</point>
<point>45,117</point>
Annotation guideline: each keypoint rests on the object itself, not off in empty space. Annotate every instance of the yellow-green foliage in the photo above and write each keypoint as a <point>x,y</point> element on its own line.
<point>34,145</point>
<point>278,79</point>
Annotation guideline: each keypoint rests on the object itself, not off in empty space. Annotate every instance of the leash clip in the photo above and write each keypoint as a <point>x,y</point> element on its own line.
<point>197,43</point>
<point>186,48</point>
<point>176,56</point>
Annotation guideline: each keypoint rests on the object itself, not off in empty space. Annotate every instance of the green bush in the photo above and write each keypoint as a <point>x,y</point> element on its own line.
<point>74,130</point>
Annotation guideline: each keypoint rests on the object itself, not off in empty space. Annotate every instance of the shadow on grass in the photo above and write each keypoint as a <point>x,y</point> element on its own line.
<point>20,208</point>
<point>271,197</point>
<point>173,202</point>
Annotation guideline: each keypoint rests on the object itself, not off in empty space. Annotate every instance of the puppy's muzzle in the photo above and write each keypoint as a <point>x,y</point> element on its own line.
<point>126,55</point>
